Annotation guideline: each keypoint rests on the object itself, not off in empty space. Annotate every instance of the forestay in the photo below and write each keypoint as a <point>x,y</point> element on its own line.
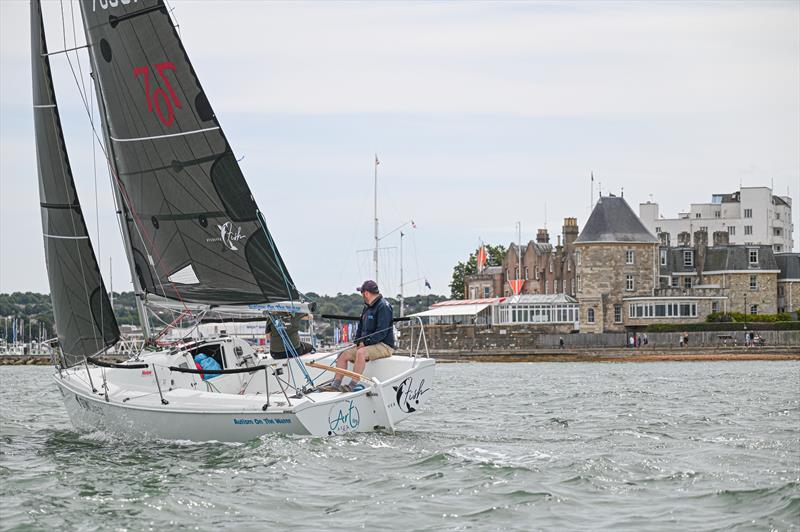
<point>193,227</point>
<point>84,320</point>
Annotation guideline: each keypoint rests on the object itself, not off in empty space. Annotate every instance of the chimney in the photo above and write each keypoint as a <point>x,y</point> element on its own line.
<point>684,239</point>
<point>663,236</point>
<point>570,230</point>
<point>721,238</point>
<point>542,237</point>
<point>700,247</point>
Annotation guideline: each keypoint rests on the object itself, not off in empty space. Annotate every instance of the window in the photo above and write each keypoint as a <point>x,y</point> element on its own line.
<point>569,265</point>
<point>617,313</point>
<point>473,293</point>
<point>590,315</point>
<point>777,216</point>
<point>526,272</point>
<point>688,259</point>
<point>748,229</point>
<point>658,230</point>
<point>717,214</point>
<point>732,230</point>
<point>508,274</point>
<point>674,282</point>
<point>698,215</point>
<point>777,231</point>
<point>687,282</point>
<point>662,310</point>
<point>778,248</point>
<point>663,257</point>
<point>715,306</point>
<point>578,258</point>
<point>753,256</point>
<point>629,256</point>
<point>551,265</point>
<point>753,309</point>
<point>753,282</point>
<point>629,283</point>
<point>748,213</point>
<point>781,291</point>
<point>704,228</point>
<point>578,283</point>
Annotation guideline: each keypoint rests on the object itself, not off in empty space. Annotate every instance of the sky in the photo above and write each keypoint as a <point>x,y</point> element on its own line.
<point>482,114</point>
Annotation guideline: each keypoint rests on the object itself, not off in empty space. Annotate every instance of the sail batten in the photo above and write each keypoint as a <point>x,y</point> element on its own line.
<point>186,199</point>
<point>85,321</point>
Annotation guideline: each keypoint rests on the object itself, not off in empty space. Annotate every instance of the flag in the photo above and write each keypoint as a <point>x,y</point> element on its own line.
<point>413,225</point>
<point>377,162</point>
<point>427,284</point>
<point>481,258</point>
<point>592,177</point>
<point>516,285</point>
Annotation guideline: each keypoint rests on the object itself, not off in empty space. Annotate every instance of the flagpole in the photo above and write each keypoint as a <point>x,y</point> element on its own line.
<point>375,253</point>
<point>401,274</point>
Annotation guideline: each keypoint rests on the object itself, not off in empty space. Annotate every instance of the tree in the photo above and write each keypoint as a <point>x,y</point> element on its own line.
<point>495,256</point>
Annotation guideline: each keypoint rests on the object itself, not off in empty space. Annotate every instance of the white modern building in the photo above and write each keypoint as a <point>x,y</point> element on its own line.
<point>751,215</point>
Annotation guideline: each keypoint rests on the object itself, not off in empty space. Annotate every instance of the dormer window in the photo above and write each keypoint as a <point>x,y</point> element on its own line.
<point>663,257</point>
<point>688,259</point>
<point>753,253</point>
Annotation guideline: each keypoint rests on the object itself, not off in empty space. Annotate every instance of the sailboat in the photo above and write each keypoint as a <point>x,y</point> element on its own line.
<point>196,244</point>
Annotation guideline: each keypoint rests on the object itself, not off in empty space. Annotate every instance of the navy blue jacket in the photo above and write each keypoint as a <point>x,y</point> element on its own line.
<point>376,324</point>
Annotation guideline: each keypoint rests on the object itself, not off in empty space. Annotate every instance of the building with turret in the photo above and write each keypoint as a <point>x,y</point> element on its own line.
<point>616,258</point>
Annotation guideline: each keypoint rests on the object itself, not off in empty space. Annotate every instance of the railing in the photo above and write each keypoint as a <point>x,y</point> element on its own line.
<point>251,369</point>
<point>421,340</point>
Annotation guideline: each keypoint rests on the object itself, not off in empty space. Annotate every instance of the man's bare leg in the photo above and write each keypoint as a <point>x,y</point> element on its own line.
<point>359,364</point>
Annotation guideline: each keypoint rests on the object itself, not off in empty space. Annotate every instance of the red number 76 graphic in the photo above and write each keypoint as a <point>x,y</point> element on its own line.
<point>157,96</point>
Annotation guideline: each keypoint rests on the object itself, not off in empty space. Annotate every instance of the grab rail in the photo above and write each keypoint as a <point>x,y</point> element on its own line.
<point>102,364</point>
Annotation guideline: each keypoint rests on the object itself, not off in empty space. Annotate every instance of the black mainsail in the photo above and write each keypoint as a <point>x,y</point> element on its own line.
<point>84,319</point>
<point>194,232</point>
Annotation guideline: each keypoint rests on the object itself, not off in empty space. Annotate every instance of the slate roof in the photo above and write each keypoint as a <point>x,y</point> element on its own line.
<point>789,264</point>
<point>612,220</point>
<point>721,258</point>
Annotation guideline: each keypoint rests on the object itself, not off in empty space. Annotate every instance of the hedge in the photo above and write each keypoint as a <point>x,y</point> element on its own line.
<point>724,326</point>
<point>738,317</point>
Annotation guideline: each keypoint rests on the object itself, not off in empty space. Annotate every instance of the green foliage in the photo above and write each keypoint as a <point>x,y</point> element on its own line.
<point>495,256</point>
<point>724,326</point>
<point>738,317</point>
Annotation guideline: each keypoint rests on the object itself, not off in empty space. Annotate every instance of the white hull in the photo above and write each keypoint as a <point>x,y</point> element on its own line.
<point>199,412</point>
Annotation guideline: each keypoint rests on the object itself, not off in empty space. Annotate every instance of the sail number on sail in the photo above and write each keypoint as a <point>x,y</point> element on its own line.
<point>105,4</point>
<point>155,97</point>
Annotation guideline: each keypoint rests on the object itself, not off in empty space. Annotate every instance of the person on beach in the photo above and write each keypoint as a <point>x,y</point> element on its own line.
<point>291,326</point>
<point>686,339</point>
<point>561,342</point>
<point>374,337</point>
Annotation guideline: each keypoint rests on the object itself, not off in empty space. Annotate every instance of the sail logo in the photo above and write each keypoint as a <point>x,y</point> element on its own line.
<point>408,395</point>
<point>343,418</point>
<point>105,4</point>
<point>227,236</point>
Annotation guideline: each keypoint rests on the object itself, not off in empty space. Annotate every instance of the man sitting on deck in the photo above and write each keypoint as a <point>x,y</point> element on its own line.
<point>375,337</point>
<point>291,327</point>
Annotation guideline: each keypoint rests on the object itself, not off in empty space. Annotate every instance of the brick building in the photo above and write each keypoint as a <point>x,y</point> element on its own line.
<point>546,269</point>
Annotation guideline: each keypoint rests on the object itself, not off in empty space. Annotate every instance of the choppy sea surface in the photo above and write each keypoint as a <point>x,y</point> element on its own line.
<point>653,446</point>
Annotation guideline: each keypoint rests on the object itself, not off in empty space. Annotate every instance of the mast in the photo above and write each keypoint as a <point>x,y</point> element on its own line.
<point>519,250</point>
<point>375,205</point>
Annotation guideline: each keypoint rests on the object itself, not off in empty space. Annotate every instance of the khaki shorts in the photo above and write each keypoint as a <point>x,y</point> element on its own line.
<point>374,352</point>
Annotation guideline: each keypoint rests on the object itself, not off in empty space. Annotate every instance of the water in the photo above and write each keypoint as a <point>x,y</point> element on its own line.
<point>658,446</point>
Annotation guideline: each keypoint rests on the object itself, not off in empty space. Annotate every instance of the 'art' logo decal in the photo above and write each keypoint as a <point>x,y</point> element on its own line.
<point>343,418</point>
<point>227,236</point>
<point>408,394</point>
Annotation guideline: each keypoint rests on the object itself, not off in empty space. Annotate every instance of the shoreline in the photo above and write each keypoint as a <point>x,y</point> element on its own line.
<point>612,355</point>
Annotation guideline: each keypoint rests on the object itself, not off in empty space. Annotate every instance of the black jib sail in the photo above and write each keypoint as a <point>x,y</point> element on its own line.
<point>84,320</point>
<point>194,231</point>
